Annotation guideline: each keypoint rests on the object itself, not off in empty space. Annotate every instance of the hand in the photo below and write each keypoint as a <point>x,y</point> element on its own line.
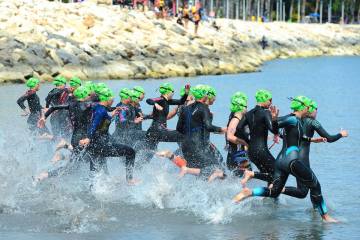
<point>116,111</point>
<point>138,120</point>
<point>158,107</point>
<point>187,88</point>
<point>84,142</point>
<point>223,130</point>
<point>274,112</point>
<point>344,133</point>
<point>44,110</point>
<point>276,138</point>
<point>25,113</point>
<point>41,123</point>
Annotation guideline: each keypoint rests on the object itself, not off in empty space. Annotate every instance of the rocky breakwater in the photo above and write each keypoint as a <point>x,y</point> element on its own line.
<point>43,38</point>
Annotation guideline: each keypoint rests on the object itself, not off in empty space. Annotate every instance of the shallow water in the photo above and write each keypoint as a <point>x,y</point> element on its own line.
<point>163,207</point>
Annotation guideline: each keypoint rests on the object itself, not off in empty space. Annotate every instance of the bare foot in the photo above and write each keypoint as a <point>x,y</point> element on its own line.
<point>216,174</point>
<point>41,176</point>
<point>245,193</point>
<point>326,218</point>
<point>164,153</point>
<point>247,176</point>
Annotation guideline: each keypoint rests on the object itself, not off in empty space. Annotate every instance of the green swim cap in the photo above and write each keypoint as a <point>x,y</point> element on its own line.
<point>238,105</point>
<point>198,92</point>
<point>134,95</point>
<point>313,106</point>
<point>124,93</point>
<point>240,95</point>
<point>166,88</point>
<point>99,87</point>
<point>211,92</point>
<point>75,82</point>
<point>139,89</point>
<point>105,94</point>
<point>32,82</point>
<point>299,103</point>
<point>81,92</point>
<point>262,96</point>
<point>90,86</point>
<point>59,81</point>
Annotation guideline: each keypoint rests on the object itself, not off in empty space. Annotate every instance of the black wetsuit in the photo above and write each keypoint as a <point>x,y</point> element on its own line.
<point>260,123</point>
<point>310,126</point>
<point>35,109</point>
<point>213,150</point>
<point>80,115</point>
<point>195,123</point>
<point>158,131</point>
<point>289,162</point>
<point>241,132</point>
<point>101,144</point>
<point>60,122</point>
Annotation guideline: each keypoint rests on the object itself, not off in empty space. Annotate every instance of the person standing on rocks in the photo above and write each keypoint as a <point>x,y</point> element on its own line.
<point>60,123</point>
<point>158,131</point>
<point>196,17</point>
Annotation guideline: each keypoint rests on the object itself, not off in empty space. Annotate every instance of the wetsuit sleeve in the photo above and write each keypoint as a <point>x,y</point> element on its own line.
<point>286,121</point>
<point>147,116</point>
<point>180,101</point>
<point>21,101</point>
<point>54,108</point>
<point>95,122</point>
<point>323,133</point>
<point>152,101</point>
<point>270,124</point>
<point>207,121</point>
<point>49,98</point>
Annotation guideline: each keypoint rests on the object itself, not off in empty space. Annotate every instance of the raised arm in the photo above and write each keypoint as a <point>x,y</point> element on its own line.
<point>270,123</point>
<point>180,101</point>
<point>152,101</point>
<point>323,133</point>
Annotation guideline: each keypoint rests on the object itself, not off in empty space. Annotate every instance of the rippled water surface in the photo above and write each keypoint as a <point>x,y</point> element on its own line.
<point>162,207</point>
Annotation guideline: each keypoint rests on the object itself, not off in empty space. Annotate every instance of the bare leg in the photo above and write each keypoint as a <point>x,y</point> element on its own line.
<point>247,176</point>
<point>245,193</point>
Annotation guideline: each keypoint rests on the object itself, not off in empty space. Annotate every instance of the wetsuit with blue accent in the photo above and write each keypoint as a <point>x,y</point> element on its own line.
<point>124,123</point>
<point>80,115</point>
<point>59,120</point>
<point>234,150</point>
<point>101,145</point>
<point>195,123</point>
<point>35,109</point>
<point>158,131</point>
<point>310,126</point>
<point>289,162</point>
<point>260,123</point>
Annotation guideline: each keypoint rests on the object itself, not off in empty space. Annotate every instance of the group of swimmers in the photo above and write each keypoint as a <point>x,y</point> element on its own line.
<point>83,113</point>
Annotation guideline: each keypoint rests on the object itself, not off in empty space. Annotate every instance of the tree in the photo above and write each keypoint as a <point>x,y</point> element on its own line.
<point>291,10</point>
<point>303,9</point>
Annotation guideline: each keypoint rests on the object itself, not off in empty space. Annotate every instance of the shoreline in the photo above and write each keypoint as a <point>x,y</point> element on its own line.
<point>104,42</point>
